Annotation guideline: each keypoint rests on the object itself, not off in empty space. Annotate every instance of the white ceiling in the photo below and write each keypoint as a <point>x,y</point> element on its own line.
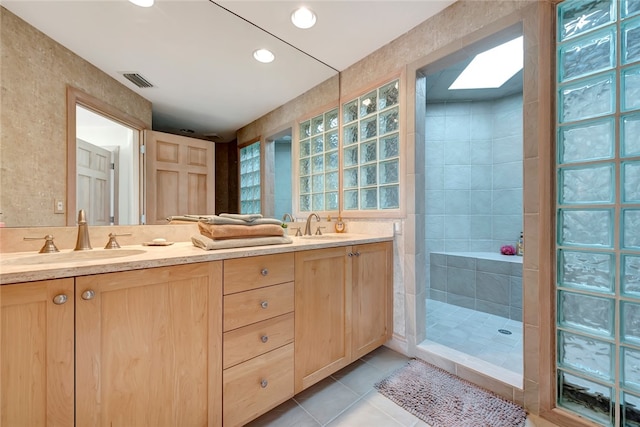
<point>198,53</point>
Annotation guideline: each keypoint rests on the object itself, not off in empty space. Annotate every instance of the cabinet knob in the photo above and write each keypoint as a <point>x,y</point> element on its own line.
<point>60,299</point>
<point>264,304</point>
<point>264,338</point>
<point>357,253</point>
<point>264,383</point>
<point>88,294</point>
<point>350,254</point>
<point>264,272</point>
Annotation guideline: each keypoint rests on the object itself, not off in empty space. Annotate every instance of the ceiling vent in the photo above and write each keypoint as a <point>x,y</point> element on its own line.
<point>137,80</point>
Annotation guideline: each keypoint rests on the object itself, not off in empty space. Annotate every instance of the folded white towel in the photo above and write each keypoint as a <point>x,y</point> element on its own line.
<point>227,220</point>
<point>208,244</point>
<point>242,217</point>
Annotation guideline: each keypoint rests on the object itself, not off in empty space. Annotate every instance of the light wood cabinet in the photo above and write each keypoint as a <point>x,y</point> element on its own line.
<point>36,357</point>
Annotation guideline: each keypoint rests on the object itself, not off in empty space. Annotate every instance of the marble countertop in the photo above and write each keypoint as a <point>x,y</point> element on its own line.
<point>19,267</point>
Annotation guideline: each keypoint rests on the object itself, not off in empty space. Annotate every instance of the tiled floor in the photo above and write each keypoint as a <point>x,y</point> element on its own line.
<point>346,399</point>
<point>476,334</point>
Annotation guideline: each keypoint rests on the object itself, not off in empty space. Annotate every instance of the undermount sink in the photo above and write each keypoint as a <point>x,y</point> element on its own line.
<point>325,237</point>
<point>75,256</point>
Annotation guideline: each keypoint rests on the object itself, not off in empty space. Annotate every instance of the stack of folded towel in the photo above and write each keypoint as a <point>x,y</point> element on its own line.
<point>235,230</point>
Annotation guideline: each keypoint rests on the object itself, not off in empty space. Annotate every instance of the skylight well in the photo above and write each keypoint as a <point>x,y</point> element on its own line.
<point>492,68</point>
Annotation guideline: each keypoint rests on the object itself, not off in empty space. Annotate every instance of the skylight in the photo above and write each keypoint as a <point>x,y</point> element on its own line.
<point>492,68</point>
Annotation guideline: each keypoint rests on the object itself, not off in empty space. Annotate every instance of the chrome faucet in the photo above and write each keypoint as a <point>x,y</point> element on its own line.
<point>307,228</point>
<point>82,242</point>
<point>285,216</point>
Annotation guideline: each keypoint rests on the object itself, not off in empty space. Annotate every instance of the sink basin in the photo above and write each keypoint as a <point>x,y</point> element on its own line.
<point>75,256</point>
<point>325,237</point>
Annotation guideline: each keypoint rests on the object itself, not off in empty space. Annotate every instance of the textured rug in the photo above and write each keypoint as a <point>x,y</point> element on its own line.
<point>444,400</point>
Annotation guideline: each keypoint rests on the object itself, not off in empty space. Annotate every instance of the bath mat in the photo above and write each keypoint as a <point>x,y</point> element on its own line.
<point>444,400</point>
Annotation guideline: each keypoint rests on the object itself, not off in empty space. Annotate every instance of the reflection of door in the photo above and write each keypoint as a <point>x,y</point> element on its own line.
<point>180,176</point>
<point>93,186</point>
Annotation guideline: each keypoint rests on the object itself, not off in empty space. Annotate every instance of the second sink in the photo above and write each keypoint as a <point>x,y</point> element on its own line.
<point>75,256</point>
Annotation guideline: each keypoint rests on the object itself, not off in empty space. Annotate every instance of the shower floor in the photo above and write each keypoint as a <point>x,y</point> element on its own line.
<point>476,333</point>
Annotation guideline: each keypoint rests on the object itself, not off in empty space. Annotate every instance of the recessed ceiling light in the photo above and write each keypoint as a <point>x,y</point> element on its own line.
<point>264,55</point>
<point>492,68</point>
<point>303,18</point>
<point>142,3</point>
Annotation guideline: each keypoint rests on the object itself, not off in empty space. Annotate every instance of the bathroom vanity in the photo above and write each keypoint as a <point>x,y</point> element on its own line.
<point>180,336</point>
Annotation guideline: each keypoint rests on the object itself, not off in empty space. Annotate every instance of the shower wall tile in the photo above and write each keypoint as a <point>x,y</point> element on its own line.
<point>493,288</point>
<point>481,202</point>
<point>434,110</point>
<point>480,227</point>
<point>435,178</point>
<point>457,109</point>
<point>457,152</point>
<point>481,126</point>
<point>481,245</point>
<point>434,203</point>
<point>461,262</point>
<point>434,128</point>
<point>461,281</point>
<point>457,128</point>
<point>481,177</point>
<point>491,266</point>
<point>438,259</point>
<point>456,177</point>
<point>507,175</point>
<point>435,245</point>
<point>456,227</point>
<point>516,291</point>
<point>456,202</point>
<point>438,277</point>
<point>435,226</point>
<point>515,314</point>
<point>456,245</point>
<point>516,270</point>
<point>481,152</point>
<point>507,228</point>
<point>507,149</point>
<point>507,202</point>
<point>437,295</point>
<point>461,301</point>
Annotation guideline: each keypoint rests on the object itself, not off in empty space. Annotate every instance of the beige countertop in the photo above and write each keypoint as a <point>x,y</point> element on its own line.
<point>19,267</point>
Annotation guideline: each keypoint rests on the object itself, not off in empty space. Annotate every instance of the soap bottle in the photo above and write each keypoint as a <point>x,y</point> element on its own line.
<point>520,245</point>
<point>339,226</point>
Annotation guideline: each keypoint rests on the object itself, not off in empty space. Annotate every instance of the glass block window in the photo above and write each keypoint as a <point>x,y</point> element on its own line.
<point>371,150</point>
<point>319,163</point>
<point>598,210</point>
<point>250,179</point>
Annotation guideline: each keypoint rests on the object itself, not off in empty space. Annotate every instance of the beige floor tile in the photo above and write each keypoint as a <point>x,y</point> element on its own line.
<point>360,376</point>
<point>289,414</point>
<point>390,408</point>
<point>385,359</point>
<point>364,414</point>
<point>325,400</point>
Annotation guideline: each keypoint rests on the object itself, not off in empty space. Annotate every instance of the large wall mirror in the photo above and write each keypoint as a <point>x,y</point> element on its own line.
<point>41,62</point>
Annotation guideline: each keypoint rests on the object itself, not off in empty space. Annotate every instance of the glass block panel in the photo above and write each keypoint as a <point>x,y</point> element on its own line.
<point>389,147</point>
<point>575,18</point>
<point>351,156</point>
<point>305,166</point>
<point>369,198</point>
<point>305,148</point>
<point>305,129</point>
<point>630,275</point>
<point>351,199</point>
<point>629,8</point>
<point>630,322</point>
<point>586,270</point>
<point>331,161</point>
<point>631,182</point>
<point>630,403</point>
<point>630,92</point>
<point>305,185</point>
<point>389,121</point>
<point>331,140</point>
<point>368,152</point>
<point>305,203</point>
<point>317,145</point>
<point>588,355</point>
<point>317,163</point>
<point>586,313</point>
<point>630,140</point>
<point>317,202</point>
<point>350,111</point>
<point>317,183</point>
<point>388,95</point>
<point>331,181</point>
<point>350,134</point>
<point>587,98</point>
<point>389,172</point>
<point>588,55</point>
<point>390,197</point>
<point>368,175</point>
<point>368,128</point>
<point>351,178</point>
<point>585,227</point>
<point>317,125</point>
<point>630,51</point>
<point>630,360</point>
<point>587,141</point>
<point>331,119</point>
<point>368,103</point>
<point>585,397</point>
<point>588,184</point>
<point>630,229</point>
<point>331,201</point>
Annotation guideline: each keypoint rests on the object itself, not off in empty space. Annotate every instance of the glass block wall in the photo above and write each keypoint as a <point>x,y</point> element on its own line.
<point>598,210</point>
<point>319,163</point>
<point>250,178</point>
<point>371,148</point>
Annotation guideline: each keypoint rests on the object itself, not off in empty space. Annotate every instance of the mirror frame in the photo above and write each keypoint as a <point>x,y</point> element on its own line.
<point>74,97</point>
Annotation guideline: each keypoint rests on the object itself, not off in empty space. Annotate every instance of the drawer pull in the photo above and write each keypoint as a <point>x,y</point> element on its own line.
<point>264,272</point>
<point>264,304</point>
<point>60,299</point>
<point>264,383</point>
<point>88,295</point>
<point>264,338</point>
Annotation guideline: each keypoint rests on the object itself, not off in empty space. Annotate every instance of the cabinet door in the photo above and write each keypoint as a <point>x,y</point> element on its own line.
<point>36,355</point>
<point>322,314</point>
<point>148,347</point>
<point>372,279</point>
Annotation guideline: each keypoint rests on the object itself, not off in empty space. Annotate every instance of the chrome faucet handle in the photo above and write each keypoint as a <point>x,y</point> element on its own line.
<point>285,216</point>
<point>49,246</point>
<point>298,231</point>
<point>318,232</point>
<point>113,243</point>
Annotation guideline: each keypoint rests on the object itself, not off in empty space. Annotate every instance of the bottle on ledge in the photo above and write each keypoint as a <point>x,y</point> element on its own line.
<point>520,245</point>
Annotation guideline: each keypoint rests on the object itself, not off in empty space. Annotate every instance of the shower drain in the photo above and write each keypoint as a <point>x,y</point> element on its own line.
<point>504,331</point>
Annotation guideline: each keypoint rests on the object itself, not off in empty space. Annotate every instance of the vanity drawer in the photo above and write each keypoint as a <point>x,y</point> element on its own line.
<point>249,307</point>
<point>253,387</point>
<point>243,274</point>
<point>253,340</point>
